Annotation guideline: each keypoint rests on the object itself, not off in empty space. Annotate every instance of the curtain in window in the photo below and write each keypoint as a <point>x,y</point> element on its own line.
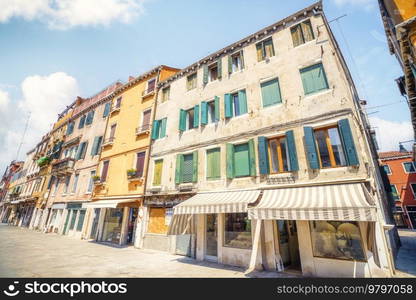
<point>307,31</point>
<point>297,36</point>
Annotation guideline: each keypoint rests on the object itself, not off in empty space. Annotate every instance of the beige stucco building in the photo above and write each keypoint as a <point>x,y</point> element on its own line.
<point>266,143</point>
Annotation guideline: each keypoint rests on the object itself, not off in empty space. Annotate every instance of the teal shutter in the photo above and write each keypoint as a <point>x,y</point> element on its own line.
<point>314,79</point>
<point>107,108</point>
<point>263,155</point>
<point>230,161</point>
<point>219,68</point>
<point>252,157</point>
<point>94,146</point>
<point>100,141</point>
<point>178,170</point>
<point>242,59</point>
<point>293,156</point>
<point>217,108</point>
<point>182,120</point>
<point>163,128</point>
<point>196,116</point>
<point>311,152</point>
<point>204,113</point>
<point>230,64</point>
<point>155,129</point>
<point>228,106</point>
<point>348,142</point>
<point>81,122</point>
<point>78,154</point>
<point>195,166</point>
<point>242,99</point>
<point>270,92</point>
<point>90,118</point>
<point>205,78</point>
<point>84,150</point>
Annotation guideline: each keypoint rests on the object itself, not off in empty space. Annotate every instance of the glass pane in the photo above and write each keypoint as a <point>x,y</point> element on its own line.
<point>187,168</point>
<point>236,105</point>
<point>211,112</point>
<point>212,235</point>
<point>237,231</point>
<point>323,149</point>
<point>283,149</point>
<point>334,239</point>
<point>241,160</point>
<point>274,158</point>
<point>236,59</point>
<point>297,36</point>
<point>337,148</point>
<point>73,218</point>
<point>112,225</point>
<point>395,194</point>
<point>268,45</point>
<point>81,220</point>
<point>307,31</point>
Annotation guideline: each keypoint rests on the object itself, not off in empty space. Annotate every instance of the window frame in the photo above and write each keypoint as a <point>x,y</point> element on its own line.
<point>263,49</point>
<point>384,167</point>
<point>409,162</point>
<point>397,191</point>
<point>413,190</point>
<point>188,123</point>
<point>224,242</point>
<point>211,67</point>
<point>299,25</point>
<point>240,62</point>
<point>194,81</point>
<point>329,147</point>
<point>142,119</point>
<point>90,186</point>
<point>212,102</point>
<point>165,98</point>
<point>279,154</point>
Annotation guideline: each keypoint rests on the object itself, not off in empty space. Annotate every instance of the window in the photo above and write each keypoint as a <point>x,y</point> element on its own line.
<point>278,155</point>
<point>213,164</point>
<point>265,49</point>
<point>91,182</point>
<point>413,186</point>
<point>191,81</point>
<point>82,122</point>
<point>140,163</point>
<point>90,118</point>
<point>157,174</point>
<point>211,112</point>
<point>237,231</point>
<point>334,239</point>
<point>112,131</point>
<point>104,171</point>
<point>67,180</point>
<point>235,104</point>
<point>165,94</point>
<point>74,186</point>
<point>82,149</point>
<point>151,85</point>
<point>241,160</point>
<point>96,147</point>
<point>51,181</point>
<point>270,92</point>
<point>159,129</point>
<point>213,72</point>
<point>394,194</point>
<point>70,128</point>
<point>387,169</point>
<point>314,79</point>
<point>190,114</point>
<point>409,167</point>
<point>107,109</point>
<point>330,149</point>
<point>118,102</point>
<point>81,218</point>
<point>146,119</point>
<point>187,168</point>
<point>302,33</point>
<point>55,190</point>
<point>235,62</point>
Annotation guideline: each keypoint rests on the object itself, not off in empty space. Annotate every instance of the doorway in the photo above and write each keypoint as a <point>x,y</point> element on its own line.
<point>131,226</point>
<point>288,244</point>
<point>211,251</point>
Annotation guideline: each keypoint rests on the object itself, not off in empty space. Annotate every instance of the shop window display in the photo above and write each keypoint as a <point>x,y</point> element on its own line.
<point>237,231</point>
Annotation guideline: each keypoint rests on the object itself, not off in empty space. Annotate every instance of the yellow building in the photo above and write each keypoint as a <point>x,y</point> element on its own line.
<point>121,175</point>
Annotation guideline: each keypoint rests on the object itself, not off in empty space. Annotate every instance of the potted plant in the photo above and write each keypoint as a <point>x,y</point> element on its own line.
<point>96,179</point>
<point>131,173</point>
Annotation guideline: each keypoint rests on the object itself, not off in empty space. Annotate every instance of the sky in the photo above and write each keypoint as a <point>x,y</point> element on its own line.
<point>52,51</point>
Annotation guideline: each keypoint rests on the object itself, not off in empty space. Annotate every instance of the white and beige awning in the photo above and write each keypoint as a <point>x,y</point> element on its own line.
<point>182,224</point>
<point>109,203</point>
<point>217,202</point>
<point>342,202</point>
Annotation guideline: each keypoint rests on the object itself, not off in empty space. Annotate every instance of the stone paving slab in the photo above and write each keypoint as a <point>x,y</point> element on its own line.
<point>406,258</point>
<point>27,253</point>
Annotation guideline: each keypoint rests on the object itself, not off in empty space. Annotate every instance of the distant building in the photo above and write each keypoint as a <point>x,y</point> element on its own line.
<point>401,173</point>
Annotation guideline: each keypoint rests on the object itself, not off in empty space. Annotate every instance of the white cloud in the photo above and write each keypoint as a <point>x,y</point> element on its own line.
<point>390,133</point>
<point>43,97</point>
<point>366,4</point>
<point>65,14</point>
<point>4,101</point>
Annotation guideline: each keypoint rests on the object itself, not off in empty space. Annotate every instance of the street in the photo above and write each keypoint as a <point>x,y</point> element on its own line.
<point>27,253</point>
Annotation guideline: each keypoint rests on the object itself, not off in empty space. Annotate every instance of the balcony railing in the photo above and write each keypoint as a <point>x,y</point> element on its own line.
<point>145,129</point>
<point>64,166</point>
<point>115,109</point>
<point>148,92</point>
<point>108,142</point>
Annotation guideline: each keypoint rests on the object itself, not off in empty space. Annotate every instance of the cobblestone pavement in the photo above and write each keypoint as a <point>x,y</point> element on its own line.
<point>406,258</point>
<point>27,253</point>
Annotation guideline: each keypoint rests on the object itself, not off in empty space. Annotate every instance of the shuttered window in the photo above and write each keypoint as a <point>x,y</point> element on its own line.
<point>90,118</point>
<point>241,160</point>
<point>187,168</point>
<point>314,79</point>
<point>302,33</point>
<point>162,130</point>
<point>74,186</point>
<point>235,104</point>
<point>82,122</point>
<point>265,49</point>
<point>146,119</point>
<point>140,163</point>
<point>210,111</point>
<point>213,164</point>
<point>70,128</point>
<point>278,155</point>
<point>107,109</point>
<point>235,62</point>
<point>104,171</point>
<point>91,182</point>
<point>191,81</point>
<point>157,175</point>
<point>270,92</point>
<point>95,150</point>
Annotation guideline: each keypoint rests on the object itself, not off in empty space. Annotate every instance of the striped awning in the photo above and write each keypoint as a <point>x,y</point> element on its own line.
<point>108,203</point>
<point>217,202</point>
<point>182,224</point>
<point>343,202</point>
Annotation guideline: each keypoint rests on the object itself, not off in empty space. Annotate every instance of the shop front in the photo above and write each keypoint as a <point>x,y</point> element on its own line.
<point>55,217</point>
<point>113,221</point>
<point>411,211</point>
<point>74,219</point>
<point>220,222</point>
<point>27,213</point>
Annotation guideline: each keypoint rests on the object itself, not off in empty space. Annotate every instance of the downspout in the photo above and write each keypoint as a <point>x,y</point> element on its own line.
<point>375,172</point>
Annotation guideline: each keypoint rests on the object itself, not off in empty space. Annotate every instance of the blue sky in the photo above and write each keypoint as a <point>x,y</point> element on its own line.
<point>50,54</point>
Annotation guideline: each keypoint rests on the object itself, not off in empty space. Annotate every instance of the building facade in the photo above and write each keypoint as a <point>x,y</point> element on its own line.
<point>266,141</point>
<point>401,173</point>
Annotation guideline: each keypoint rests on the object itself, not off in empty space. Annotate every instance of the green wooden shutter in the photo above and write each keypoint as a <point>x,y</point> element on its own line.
<point>205,78</point>
<point>195,166</point>
<point>242,99</point>
<point>228,106</point>
<point>217,108</point>
<point>293,156</point>
<point>311,152</point>
<point>163,128</point>
<point>94,146</point>
<point>213,163</point>
<point>242,59</point>
<point>252,157</point>
<point>314,79</point>
<point>230,160</point>
<point>219,68</point>
<point>204,113</point>
<point>348,142</point>
<point>155,129</point>
<point>178,170</point>
<point>230,64</point>
<point>242,160</point>
<point>270,92</point>
<point>107,108</point>
<point>182,120</point>
<point>263,155</point>
<point>196,116</point>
